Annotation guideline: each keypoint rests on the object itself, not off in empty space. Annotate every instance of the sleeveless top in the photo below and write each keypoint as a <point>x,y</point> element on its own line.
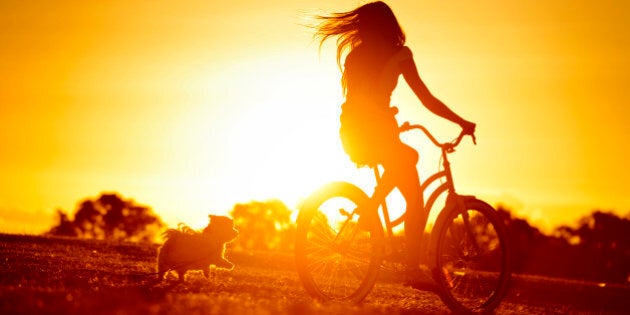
<point>372,78</point>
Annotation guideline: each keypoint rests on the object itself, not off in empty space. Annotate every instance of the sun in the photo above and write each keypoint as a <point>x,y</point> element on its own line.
<point>267,130</point>
<point>286,138</point>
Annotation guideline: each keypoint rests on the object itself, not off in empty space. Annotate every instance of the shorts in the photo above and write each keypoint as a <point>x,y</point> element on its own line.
<point>369,137</point>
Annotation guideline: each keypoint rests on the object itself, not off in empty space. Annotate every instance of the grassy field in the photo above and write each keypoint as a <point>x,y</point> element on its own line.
<point>42,275</point>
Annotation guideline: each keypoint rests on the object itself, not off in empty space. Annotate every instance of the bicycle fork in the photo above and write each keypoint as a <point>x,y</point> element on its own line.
<point>469,235</point>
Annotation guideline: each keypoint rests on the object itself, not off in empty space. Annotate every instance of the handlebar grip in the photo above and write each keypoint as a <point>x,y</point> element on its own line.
<point>406,126</point>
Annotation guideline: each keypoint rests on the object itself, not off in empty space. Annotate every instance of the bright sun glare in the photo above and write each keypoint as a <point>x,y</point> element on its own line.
<point>278,138</point>
<point>290,128</point>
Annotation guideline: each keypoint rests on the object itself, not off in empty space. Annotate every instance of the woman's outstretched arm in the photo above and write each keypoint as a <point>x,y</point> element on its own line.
<point>432,103</point>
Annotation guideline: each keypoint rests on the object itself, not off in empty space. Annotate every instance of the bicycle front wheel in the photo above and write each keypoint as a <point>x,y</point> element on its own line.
<point>336,260</point>
<point>472,261</point>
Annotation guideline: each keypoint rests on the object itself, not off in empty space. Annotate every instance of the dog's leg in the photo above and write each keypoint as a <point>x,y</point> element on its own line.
<point>180,274</point>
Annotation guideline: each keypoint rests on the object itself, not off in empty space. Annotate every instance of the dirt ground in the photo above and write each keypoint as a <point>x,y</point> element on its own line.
<point>41,275</point>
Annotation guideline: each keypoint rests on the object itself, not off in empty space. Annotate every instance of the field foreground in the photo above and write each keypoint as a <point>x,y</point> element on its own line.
<point>42,275</point>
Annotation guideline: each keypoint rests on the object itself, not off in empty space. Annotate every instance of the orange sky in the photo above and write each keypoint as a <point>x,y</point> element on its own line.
<point>191,106</point>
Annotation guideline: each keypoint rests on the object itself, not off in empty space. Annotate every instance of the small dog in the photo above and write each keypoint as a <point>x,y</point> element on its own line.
<point>186,249</point>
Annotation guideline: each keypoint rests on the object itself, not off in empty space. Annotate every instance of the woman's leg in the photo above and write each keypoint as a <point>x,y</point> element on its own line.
<point>401,171</point>
<point>416,217</point>
<point>399,163</point>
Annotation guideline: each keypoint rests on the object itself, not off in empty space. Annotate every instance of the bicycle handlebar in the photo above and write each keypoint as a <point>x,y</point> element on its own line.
<point>447,146</point>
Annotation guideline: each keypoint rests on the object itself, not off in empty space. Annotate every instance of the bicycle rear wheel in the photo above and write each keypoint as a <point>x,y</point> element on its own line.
<point>335,259</point>
<point>472,261</point>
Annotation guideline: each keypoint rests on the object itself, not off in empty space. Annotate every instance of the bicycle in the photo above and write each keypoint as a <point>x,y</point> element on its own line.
<point>468,248</point>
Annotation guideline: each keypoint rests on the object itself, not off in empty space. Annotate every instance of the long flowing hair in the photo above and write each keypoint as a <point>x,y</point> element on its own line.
<point>370,23</point>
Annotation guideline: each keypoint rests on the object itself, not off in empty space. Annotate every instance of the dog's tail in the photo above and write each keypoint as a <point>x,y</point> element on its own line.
<point>186,229</point>
<point>170,233</point>
<point>182,229</point>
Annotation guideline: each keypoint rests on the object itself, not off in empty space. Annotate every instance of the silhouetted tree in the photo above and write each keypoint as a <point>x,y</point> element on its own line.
<point>598,249</point>
<point>263,225</point>
<point>603,241</point>
<point>65,227</point>
<point>110,217</point>
<point>89,219</point>
<point>523,239</point>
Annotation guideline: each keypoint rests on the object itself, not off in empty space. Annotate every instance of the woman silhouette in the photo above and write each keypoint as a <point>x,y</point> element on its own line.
<point>376,57</point>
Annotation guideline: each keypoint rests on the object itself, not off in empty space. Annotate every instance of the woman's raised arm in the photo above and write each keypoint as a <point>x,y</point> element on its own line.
<point>412,77</point>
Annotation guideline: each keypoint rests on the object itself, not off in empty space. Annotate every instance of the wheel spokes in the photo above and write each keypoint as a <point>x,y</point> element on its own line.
<point>471,259</point>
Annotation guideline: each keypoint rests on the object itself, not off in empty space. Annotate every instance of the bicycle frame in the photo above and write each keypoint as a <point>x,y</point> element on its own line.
<point>447,185</point>
<point>468,247</point>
